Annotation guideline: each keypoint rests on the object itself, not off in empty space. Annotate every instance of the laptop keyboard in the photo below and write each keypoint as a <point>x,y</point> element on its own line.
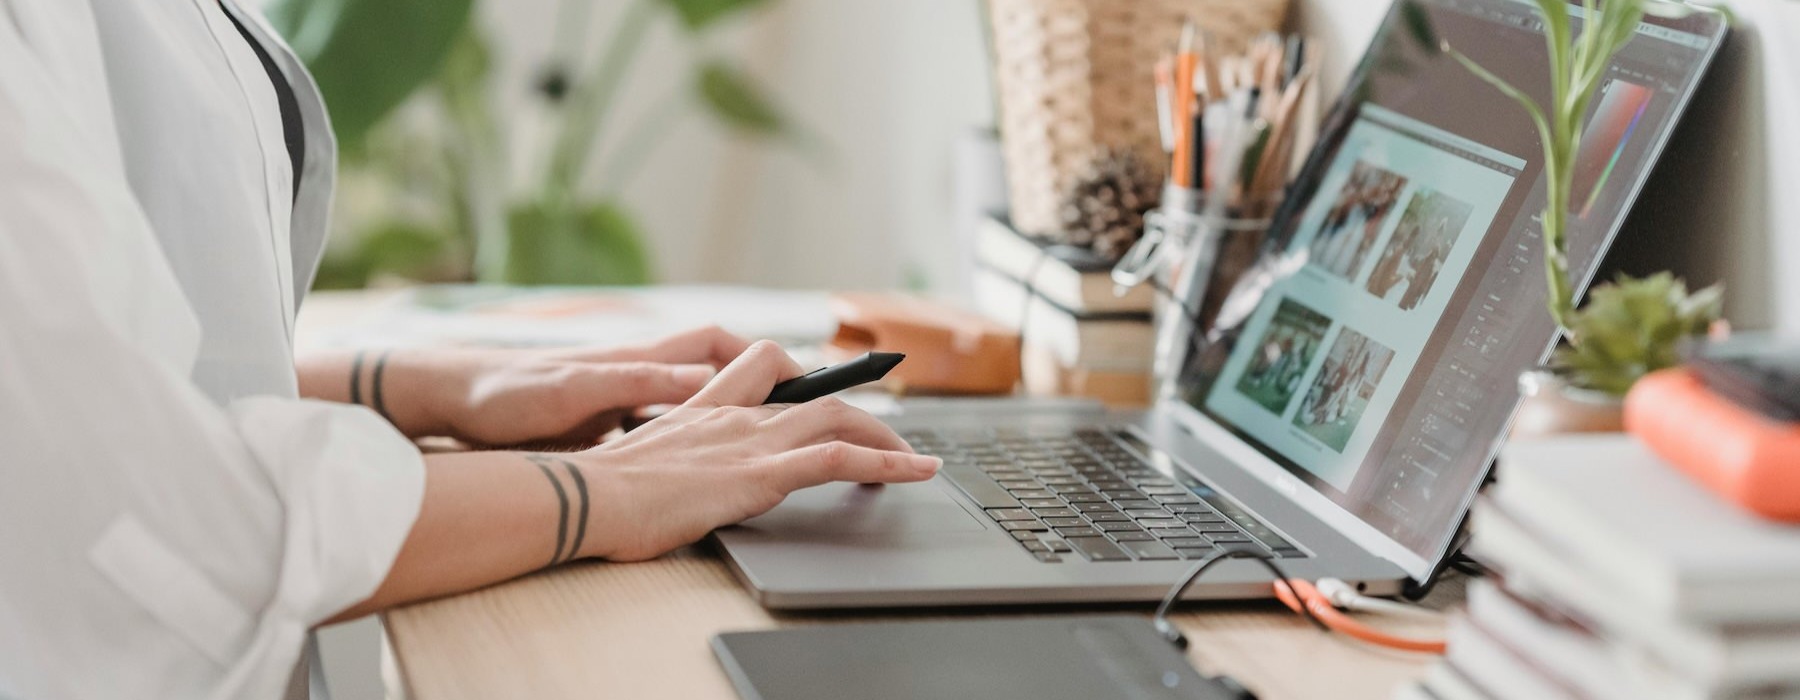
<point>1064,493</point>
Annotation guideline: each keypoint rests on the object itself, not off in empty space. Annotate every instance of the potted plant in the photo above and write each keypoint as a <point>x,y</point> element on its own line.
<point>1631,326</point>
<point>443,209</point>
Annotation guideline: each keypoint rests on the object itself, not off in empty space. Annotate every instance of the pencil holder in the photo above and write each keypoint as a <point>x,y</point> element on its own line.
<point>1075,77</point>
<point>1193,254</point>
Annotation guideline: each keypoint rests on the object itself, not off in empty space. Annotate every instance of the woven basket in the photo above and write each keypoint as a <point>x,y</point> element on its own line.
<point>1076,76</point>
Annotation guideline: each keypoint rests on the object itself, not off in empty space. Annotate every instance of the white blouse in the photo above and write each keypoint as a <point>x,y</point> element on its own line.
<point>173,519</point>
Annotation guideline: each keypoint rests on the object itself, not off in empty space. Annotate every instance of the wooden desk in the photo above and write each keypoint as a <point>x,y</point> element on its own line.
<point>601,630</point>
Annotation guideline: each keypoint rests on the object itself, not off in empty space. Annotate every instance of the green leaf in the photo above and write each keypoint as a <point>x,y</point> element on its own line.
<point>1631,327</point>
<point>339,271</point>
<point>404,249</point>
<point>395,247</point>
<point>468,62</point>
<point>594,244</point>
<point>1418,24</point>
<point>368,56</point>
<point>731,97</point>
<point>697,15</point>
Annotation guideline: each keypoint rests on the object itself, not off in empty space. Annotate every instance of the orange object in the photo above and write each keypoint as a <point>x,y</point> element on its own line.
<point>1741,455</point>
<point>948,350</point>
<point>1298,594</point>
<point>1182,106</point>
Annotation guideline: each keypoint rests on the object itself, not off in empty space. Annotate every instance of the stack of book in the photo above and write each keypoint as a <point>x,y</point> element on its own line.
<point>1618,577</point>
<point>1080,337</point>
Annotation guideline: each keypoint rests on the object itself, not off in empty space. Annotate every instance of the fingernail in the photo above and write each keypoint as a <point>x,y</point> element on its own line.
<point>933,464</point>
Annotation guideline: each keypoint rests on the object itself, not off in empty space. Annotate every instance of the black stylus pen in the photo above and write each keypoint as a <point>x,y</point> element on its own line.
<point>830,380</point>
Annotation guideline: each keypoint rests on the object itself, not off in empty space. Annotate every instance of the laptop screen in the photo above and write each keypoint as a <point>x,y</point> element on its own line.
<point>1374,349</point>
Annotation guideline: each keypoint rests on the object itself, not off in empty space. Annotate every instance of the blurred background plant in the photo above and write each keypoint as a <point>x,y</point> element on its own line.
<point>448,210</point>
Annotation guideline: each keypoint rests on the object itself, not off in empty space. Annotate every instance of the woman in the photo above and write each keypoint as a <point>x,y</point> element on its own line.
<point>181,500</point>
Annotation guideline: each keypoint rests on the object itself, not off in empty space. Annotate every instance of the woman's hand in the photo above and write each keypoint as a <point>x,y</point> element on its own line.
<point>568,397</point>
<point>563,398</point>
<point>721,458</point>
<point>718,459</point>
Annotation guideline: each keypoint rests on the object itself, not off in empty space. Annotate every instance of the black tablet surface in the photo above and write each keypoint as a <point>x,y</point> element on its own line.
<point>1049,658</point>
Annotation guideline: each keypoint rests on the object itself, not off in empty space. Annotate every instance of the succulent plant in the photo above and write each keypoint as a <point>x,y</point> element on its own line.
<point>1632,327</point>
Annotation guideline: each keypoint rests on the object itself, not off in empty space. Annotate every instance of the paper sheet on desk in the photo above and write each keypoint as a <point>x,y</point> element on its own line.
<point>498,316</point>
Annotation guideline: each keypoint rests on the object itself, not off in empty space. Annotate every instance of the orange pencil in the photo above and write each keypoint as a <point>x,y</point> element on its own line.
<point>1185,61</point>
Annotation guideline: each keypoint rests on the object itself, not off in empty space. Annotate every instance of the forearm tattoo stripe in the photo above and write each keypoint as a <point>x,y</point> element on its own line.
<point>356,364</point>
<point>582,493</point>
<point>375,387</point>
<point>562,499</point>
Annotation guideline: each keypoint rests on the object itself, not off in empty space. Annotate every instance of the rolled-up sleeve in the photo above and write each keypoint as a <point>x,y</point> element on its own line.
<point>152,542</point>
<point>351,490</point>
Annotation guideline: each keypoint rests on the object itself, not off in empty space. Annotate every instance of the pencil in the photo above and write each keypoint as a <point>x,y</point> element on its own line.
<point>1180,165</point>
<point>1296,58</point>
<point>1197,165</point>
<point>1271,81</point>
<point>1271,171</point>
<point>1209,69</point>
<point>1165,102</point>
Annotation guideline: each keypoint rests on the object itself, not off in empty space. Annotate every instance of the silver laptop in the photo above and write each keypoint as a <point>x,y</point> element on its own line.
<point>1347,404</point>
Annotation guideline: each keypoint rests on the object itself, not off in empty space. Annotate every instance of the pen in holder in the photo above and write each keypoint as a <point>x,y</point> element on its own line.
<point>1192,253</point>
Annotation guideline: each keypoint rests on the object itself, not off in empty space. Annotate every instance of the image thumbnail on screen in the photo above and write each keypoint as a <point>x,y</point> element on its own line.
<point>1354,219</point>
<point>1340,395</point>
<point>1415,254</point>
<point>1283,355</point>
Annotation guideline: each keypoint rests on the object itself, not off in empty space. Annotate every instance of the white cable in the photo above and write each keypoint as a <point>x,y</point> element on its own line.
<point>1344,596</point>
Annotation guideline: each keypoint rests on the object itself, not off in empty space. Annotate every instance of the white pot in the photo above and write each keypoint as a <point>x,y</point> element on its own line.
<point>1551,406</point>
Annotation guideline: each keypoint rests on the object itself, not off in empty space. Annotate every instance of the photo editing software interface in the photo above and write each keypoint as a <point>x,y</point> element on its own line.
<point>1374,350</point>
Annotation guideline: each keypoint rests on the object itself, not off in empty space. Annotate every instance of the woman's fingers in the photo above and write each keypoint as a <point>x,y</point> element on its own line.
<point>843,461</point>
<point>748,379</point>
<point>609,386</point>
<point>711,345</point>
<point>830,419</point>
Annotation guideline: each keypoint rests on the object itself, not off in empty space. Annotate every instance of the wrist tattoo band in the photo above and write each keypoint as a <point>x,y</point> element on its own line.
<point>562,500</point>
<point>356,377</point>
<point>582,518</point>
<point>375,387</point>
<point>547,465</point>
<point>356,372</point>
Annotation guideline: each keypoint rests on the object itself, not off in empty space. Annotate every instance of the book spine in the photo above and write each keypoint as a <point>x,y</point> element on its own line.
<point>1532,569</point>
<point>1097,342</point>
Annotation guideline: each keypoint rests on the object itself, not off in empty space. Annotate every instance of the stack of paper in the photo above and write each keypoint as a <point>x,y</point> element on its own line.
<point>1620,578</point>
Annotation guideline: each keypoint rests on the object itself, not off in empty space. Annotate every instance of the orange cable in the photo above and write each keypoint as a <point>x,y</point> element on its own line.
<point>1297,590</point>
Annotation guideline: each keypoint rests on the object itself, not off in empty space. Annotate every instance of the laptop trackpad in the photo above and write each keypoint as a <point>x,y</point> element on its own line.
<point>897,509</point>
